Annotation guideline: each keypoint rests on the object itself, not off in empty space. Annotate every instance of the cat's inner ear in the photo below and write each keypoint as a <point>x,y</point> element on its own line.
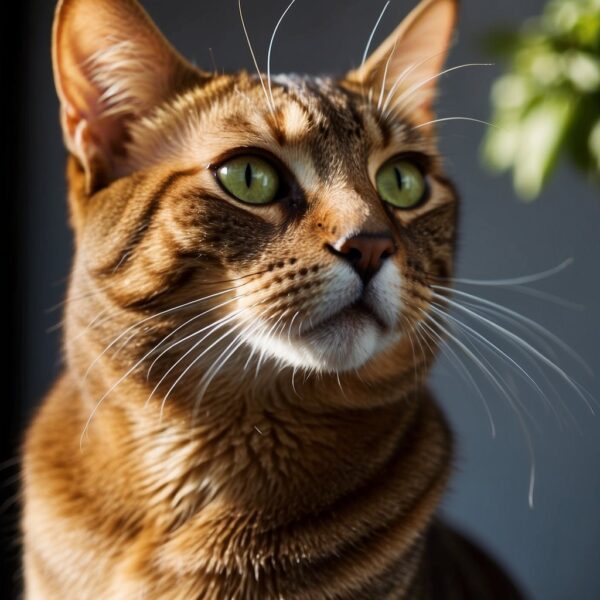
<point>402,73</point>
<point>111,66</point>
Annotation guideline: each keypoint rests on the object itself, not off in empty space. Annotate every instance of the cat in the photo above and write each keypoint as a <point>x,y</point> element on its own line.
<point>243,413</point>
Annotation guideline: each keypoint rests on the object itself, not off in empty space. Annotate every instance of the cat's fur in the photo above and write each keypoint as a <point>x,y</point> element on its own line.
<point>307,467</point>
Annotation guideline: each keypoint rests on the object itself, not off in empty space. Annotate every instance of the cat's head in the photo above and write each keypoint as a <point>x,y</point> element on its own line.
<point>239,217</point>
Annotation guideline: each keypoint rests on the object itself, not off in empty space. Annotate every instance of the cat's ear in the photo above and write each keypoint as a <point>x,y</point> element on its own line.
<point>111,66</point>
<point>405,66</point>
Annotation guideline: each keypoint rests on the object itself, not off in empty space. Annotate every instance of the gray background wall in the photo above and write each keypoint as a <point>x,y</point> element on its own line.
<point>553,548</point>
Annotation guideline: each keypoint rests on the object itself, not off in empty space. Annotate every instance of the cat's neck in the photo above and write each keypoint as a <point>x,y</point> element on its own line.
<point>279,480</point>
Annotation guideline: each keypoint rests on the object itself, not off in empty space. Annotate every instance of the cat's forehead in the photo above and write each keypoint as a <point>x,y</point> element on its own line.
<point>304,118</point>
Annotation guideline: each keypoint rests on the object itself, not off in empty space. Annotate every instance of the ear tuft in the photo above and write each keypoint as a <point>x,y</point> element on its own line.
<point>404,68</point>
<point>111,65</point>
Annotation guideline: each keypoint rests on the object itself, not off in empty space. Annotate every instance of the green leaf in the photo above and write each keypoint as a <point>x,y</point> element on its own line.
<point>542,132</point>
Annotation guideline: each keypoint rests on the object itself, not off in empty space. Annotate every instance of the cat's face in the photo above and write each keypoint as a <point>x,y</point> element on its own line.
<point>299,221</point>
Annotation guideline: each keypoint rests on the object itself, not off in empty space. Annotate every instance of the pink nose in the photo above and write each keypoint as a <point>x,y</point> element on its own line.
<point>366,253</point>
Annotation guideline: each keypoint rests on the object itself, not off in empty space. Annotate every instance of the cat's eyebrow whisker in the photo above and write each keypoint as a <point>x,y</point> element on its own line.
<point>370,40</point>
<point>581,392</point>
<point>444,119</point>
<point>543,331</point>
<point>405,73</point>
<point>503,391</point>
<point>404,96</point>
<point>285,12</point>
<point>385,72</point>
<point>260,77</point>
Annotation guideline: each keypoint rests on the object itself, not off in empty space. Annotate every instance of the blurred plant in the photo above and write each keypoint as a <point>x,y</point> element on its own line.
<point>549,101</point>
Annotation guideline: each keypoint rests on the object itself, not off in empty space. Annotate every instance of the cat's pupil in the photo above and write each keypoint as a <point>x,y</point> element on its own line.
<point>398,177</point>
<point>248,175</point>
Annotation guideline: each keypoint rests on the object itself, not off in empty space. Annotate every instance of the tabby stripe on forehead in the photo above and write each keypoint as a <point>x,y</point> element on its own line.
<point>152,201</point>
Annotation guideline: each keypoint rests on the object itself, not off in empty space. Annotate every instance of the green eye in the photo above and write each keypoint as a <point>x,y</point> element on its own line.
<point>401,183</point>
<point>249,179</point>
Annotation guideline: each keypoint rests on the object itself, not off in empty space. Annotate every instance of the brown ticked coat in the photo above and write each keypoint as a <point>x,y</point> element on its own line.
<point>277,482</point>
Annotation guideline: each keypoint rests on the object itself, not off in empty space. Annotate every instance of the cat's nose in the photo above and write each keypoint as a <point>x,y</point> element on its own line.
<point>366,253</point>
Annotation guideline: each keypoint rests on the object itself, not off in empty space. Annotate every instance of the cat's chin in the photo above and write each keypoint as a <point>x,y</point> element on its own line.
<point>343,342</point>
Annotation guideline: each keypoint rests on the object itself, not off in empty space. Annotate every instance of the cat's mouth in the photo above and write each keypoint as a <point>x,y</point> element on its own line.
<point>354,314</point>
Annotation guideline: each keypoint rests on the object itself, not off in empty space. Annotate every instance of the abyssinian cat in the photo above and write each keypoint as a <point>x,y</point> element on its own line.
<point>243,412</point>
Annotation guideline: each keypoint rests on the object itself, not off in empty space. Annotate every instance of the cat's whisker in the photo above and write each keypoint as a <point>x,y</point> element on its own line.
<point>225,355</point>
<point>339,382</point>
<point>520,280</point>
<point>500,353</point>
<point>112,315</point>
<point>444,119</point>
<point>253,350</point>
<point>517,412</point>
<point>581,392</point>
<point>219,324</point>
<point>370,96</point>
<point>294,369</point>
<point>480,361</point>
<point>425,339</point>
<point>403,75</point>
<point>419,338</point>
<point>131,370</point>
<point>548,297</point>
<point>370,40</point>
<point>412,345</point>
<point>191,335</point>
<point>260,77</point>
<point>545,378</point>
<point>408,93</point>
<point>535,337</point>
<point>289,335</point>
<point>125,342</point>
<point>447,349</point>
<point>135,327</point>
<point>385,73</point>
<point>543,331</point>
<point>97,320</point>
<point>70,298</point>
<point>263,353</point>
<point>285,12</point>
<point>196,359</point>
<point>160,314</point>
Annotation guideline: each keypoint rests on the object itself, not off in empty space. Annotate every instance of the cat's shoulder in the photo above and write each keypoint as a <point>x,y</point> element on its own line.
<point>458,569</point>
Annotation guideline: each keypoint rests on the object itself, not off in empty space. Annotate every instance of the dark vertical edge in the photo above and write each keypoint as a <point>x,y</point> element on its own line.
<point>13,55</point>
